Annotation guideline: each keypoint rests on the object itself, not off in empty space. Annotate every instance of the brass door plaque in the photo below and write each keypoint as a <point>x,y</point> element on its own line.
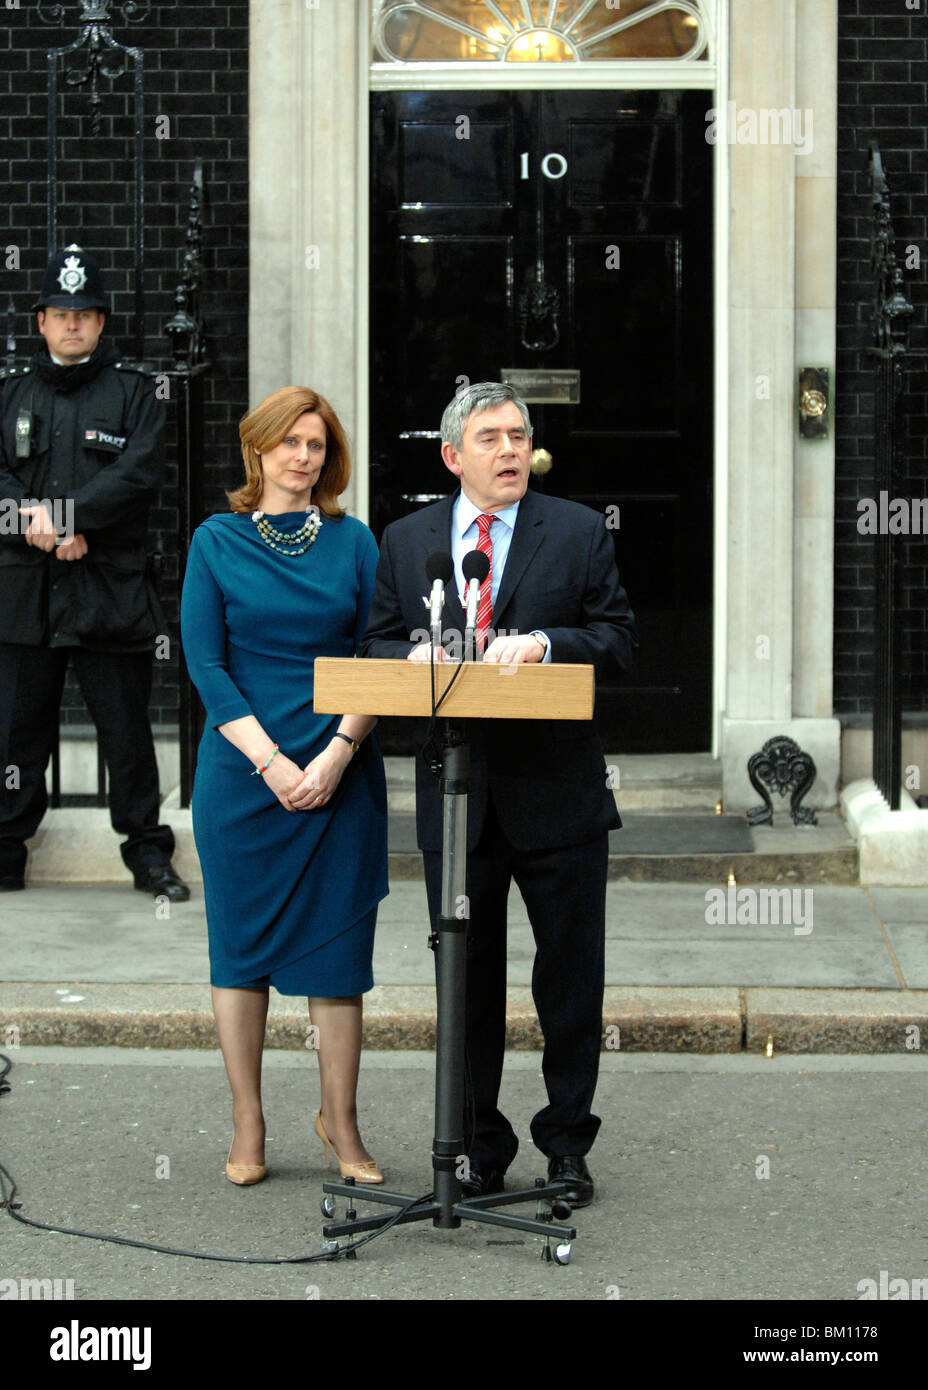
<point>544,386</point>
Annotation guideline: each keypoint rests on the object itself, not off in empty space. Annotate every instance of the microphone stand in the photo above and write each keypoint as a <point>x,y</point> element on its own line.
<point>444,1206</point>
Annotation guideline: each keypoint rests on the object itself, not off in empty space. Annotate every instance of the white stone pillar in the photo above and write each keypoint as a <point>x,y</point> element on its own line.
<point>778,637</point>
<point>816,329</point>
<point>304,237</point>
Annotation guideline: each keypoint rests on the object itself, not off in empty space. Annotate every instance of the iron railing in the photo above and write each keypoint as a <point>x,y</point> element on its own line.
<point>93,55</point>
<point>891,314</point>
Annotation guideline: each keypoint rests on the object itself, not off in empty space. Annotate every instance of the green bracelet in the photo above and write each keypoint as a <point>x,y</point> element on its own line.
<point>259,771</point>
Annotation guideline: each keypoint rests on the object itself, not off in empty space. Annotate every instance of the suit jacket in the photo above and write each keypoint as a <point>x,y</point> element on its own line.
<point>547,777</point>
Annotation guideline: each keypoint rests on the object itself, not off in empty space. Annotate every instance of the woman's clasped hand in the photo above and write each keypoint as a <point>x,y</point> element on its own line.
<point>312,787</point>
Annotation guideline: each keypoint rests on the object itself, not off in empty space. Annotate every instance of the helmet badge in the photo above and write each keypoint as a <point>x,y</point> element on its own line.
<point>73,277</point>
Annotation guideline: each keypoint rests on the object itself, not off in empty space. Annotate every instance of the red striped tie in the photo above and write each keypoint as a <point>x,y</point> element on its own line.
<point>485,607</point>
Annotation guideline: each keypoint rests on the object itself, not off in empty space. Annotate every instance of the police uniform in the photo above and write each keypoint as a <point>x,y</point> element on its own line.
<point>88,438</point>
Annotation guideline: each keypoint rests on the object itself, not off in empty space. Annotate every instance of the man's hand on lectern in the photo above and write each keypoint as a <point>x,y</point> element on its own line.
<point>509,651</point>
<point>423,652</point>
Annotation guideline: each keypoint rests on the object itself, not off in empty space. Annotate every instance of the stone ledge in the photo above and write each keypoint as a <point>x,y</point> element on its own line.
<point>831,866</point>
<point>80,847</point>
<point>892,845</point>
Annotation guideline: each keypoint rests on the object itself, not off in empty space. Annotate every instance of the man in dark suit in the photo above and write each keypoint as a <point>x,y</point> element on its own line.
<point>540,808</point>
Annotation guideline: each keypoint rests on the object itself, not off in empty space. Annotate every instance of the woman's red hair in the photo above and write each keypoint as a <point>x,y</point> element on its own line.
<point>263,428</point>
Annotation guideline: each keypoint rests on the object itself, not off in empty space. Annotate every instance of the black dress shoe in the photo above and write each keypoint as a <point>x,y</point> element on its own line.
<point>572,1169</point>
<point>10,883</point>
<point>482,1182</point>
<point>161,881</point>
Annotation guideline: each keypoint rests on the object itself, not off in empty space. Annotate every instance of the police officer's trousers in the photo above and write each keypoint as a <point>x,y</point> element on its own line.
<point>116,690</point>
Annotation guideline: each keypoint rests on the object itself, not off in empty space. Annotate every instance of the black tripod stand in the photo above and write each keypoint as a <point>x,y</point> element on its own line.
<point>445,1207</point>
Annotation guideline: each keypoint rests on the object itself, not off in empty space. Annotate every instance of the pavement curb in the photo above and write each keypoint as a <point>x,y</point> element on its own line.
<point>402,1018</point>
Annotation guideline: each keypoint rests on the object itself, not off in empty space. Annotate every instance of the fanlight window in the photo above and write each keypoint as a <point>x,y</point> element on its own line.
<point>533,31</point>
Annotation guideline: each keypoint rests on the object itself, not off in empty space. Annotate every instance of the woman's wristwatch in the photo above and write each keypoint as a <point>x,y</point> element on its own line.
<point>355,747</point>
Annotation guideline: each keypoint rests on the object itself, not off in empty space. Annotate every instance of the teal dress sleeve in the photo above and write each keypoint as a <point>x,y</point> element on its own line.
<point>205,642</point>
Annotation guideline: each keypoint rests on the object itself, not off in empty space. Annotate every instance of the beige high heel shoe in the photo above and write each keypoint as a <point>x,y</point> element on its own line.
<point>361,1172</point>
<point>244,1174</point>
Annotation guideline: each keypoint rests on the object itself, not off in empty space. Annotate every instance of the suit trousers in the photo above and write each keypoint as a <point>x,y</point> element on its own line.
<point>565,894</point>
<point>116,689</point>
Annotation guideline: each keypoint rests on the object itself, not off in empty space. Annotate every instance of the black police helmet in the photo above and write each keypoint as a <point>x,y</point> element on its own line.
<point>72,281</point>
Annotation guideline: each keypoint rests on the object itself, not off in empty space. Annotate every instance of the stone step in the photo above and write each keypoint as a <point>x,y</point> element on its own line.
<point>642,782</point>
<point>79,846</point>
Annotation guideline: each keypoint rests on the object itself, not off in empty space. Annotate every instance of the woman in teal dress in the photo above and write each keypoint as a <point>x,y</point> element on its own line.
<point>289,806</point>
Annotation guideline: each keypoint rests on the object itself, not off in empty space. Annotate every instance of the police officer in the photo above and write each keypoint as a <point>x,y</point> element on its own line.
<point>80,465</point>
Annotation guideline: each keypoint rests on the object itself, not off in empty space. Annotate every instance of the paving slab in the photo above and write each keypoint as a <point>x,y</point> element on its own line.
<point>655,934</point>
<point>909,945</point>
<point>900,904</point>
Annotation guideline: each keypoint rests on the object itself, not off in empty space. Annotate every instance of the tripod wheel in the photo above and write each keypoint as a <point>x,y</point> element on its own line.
<point>562,1253</point>
<point>327,1206</point>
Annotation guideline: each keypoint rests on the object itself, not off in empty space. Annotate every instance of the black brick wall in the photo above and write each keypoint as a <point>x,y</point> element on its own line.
<point>195,75</point>
<point>882,93</point>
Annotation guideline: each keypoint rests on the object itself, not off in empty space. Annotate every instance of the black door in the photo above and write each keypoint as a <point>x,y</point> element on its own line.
<point>562,233</point>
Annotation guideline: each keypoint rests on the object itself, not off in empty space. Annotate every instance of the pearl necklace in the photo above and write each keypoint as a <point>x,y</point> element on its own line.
<point>289,542</point>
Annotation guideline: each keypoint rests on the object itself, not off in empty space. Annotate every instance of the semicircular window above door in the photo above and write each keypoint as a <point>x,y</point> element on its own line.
<point>533,31</point>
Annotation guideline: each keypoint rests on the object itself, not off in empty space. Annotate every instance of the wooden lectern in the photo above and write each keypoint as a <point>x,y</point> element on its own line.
<point>530,690</point>
<point>479,691</point>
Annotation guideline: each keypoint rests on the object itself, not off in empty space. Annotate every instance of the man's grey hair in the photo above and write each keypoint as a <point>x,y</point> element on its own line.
<point>474,400</point>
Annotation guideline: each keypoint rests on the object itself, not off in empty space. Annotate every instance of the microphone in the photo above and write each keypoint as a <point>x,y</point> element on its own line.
<point>439,569</point>
<point>475,568</point>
